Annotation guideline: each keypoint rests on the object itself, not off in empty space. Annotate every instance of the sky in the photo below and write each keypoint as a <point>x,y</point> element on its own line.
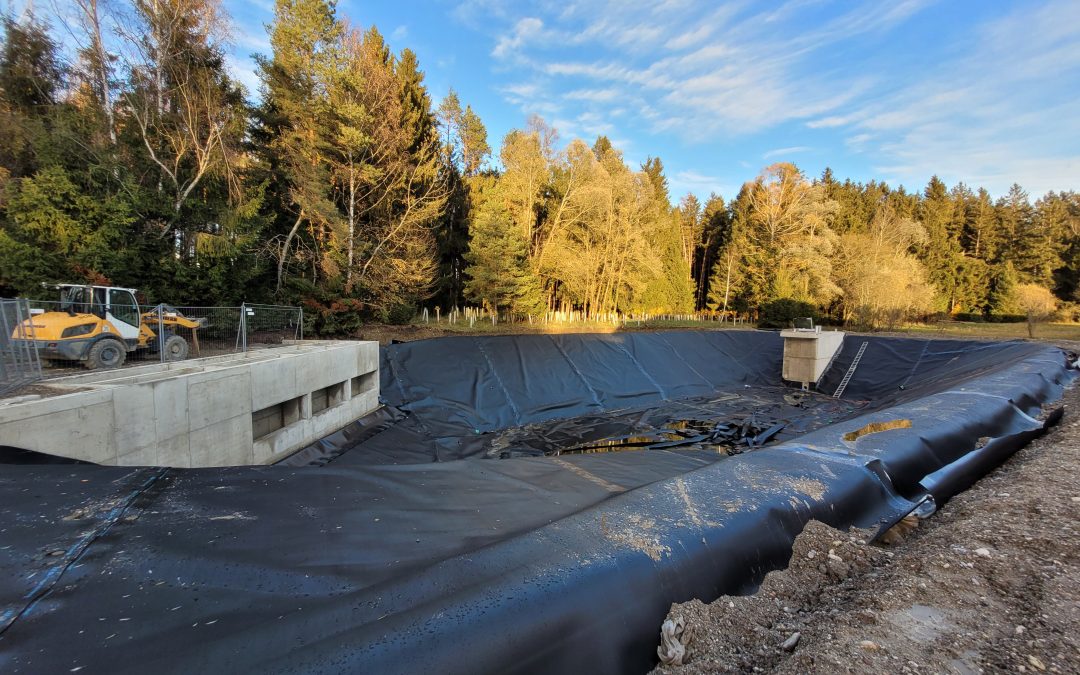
<point>985,92</point>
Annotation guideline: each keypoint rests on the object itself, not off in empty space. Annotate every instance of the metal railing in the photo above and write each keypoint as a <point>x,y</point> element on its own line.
<point>19,362</point>
<point>219,330</point>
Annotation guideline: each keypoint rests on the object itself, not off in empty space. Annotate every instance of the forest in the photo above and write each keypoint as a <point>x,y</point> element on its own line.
<point>130,156</point>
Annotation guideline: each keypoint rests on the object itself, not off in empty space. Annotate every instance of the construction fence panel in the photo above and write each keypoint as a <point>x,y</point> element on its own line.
<point>267,325</point>
<point>178,333</point>
<point>219,330</point>
<point>19,362</point>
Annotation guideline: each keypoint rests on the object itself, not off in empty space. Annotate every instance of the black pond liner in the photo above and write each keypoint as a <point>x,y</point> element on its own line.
<point>552,545</point>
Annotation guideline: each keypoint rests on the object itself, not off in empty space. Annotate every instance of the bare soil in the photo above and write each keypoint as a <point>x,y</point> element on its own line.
<point>991,583</point>
<point>29,391</point>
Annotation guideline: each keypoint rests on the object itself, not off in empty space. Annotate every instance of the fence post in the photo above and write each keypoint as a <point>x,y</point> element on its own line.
<point>160,334</point>
<point>243,327</point>
<point>29,338</point>
<point>6,345</point>
<point>301,322</point>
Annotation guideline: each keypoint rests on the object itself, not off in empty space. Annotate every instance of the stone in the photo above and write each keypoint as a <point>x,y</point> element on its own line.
<point>791,642</point>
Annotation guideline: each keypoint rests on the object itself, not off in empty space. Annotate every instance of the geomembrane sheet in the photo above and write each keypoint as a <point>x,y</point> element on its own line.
<point>524,503</point>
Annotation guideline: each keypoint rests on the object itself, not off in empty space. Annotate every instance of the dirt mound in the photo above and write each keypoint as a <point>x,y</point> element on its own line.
<point>991,583</point>
<point>739,634</point>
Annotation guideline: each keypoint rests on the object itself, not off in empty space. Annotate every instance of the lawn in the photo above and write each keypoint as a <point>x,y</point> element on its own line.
<point>1051,332</point>
<point>996,331</point>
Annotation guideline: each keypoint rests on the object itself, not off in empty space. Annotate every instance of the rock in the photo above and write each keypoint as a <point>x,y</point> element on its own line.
<point>1020,630</point>
<point>982,552</point>
<point>789,644</point>
<point>1036,663</point>
<point>869,645</point>
<point>811,554</point>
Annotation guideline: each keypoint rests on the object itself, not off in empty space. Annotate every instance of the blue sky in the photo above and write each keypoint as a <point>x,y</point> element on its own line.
<point>984,92</point>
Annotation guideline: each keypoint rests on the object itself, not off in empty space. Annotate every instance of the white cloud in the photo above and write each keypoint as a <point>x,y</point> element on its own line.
<point>243,70</point>
<point>784,152</point>
<point>524,30</point>
<point>249,40</point>
<point>683,182</point>
<point>690,38</point>
<point>595,95</point>
<point>400,33</point>
<point>730,74</point>
<point>998,115</point>
<point>998,105</point>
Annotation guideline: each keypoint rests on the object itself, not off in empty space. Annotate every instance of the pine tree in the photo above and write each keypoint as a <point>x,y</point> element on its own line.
<point>499,274</point>
<point>31,77</point>
<point>1001,287</point>
<point>715,231</point>
<point>942,253</point>
<point>293,129</point>
<point>474,144</point>
<point>416,113</point>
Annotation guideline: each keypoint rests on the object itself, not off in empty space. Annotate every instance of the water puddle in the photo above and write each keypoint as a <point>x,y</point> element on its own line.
<point>724,436</point>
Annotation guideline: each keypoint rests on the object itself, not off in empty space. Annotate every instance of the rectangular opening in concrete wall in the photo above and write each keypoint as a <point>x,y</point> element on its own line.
<point>268,420</point>
<point>362,384</point>
<point>327,397</point>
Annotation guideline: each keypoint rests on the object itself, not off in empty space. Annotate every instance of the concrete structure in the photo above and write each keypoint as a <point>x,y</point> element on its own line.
<point>808,353</point>
<point>251,408</point>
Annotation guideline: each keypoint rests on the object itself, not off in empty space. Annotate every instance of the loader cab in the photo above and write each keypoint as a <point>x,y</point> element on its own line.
<point>83,300</point>
<point>115,305</point>
<point>123,311</point>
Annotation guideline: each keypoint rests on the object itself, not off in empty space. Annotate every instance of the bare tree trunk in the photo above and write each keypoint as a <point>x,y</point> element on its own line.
<point>285,251</point>
<point>100,75</point>
<point>352,224</point>
<point>727,281</point>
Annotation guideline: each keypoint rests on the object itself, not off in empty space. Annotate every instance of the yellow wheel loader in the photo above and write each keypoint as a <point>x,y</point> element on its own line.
<point>99,325</point>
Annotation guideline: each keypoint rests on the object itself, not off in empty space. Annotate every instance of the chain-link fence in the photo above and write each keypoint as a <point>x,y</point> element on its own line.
<point>161,332</point>
<point>19,362</point>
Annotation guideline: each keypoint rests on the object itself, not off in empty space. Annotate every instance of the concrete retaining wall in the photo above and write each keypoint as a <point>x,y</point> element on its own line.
<point>202,412</point>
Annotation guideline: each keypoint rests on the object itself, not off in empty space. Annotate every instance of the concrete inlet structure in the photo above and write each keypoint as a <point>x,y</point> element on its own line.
<point>808,353</point>
<point>240,409</point>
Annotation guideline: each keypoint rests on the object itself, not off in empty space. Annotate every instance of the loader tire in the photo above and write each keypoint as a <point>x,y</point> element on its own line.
<point>176,348</point>
<point>106,354</point>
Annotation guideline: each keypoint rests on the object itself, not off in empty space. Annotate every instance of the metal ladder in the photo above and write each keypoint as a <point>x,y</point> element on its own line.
<point>850,371</point>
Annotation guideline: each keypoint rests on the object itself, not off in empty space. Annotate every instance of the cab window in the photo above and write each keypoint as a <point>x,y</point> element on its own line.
<point>75,299</point>
<point>123,307</point>
<point>98,304</point>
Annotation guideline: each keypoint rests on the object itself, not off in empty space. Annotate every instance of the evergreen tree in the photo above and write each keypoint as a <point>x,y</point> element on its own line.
<point>293,130</point>
<point>1038,237</point>
<point>499,273</point>
<point>1001,288</point>
<point>416,113</point>
<point>942,253</point>
<point>714,234</point>
<point>30,78</point>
